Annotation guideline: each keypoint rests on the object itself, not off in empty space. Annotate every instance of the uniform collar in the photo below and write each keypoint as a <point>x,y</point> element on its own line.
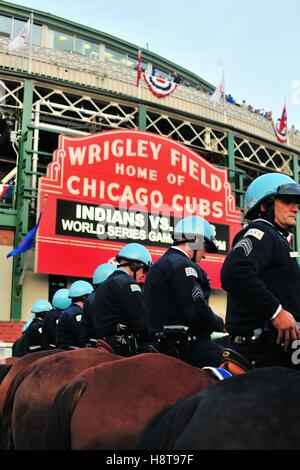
<point>282,231</point>
<point>179,249</point>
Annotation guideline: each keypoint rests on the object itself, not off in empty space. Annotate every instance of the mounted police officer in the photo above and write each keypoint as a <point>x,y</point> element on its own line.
<point>31,339</point>
<point>118,309</point>
<point>69,326</point>
<point>176,295</point>
<point>61,301</point>
<point>88,333</point>
<point>262,276</point>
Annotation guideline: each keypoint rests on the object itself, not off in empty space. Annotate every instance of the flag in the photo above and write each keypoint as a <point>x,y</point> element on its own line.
<point>280,128</point>
<point>217,94</point>
<point>139,68</point>
<point>153,71</point>
<point>6,191</point>
<point>27,241</point>
<point>20,40</point>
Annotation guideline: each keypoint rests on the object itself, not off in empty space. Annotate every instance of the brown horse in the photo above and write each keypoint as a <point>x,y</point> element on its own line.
<point>18,366</point>
<point>22,366</point>
<point>33,394</point>
<point>108,406</point>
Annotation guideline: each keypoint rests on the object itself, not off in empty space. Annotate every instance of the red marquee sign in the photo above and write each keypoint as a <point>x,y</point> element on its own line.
<point>111,188</point>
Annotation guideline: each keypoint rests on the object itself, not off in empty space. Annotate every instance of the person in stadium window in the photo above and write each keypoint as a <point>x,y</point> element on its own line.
<point>118,309</point>
<point>31,339</point>
<point>176,293</point>
<point>262,276</point>
<point>88,333</point>
<point>61,301</point>
<point>69,326</point>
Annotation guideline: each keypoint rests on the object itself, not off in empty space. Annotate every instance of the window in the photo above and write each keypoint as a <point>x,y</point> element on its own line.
<point>111,55</point>
<point>60,40</point>
<point>87,48</point>
<point>5,26</point>
<point>18,25</point>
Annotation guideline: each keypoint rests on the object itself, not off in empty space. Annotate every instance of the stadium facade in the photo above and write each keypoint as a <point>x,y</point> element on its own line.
<point>75,81</point>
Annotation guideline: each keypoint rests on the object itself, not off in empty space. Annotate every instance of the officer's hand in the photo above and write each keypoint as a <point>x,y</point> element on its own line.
<point>287,329</point>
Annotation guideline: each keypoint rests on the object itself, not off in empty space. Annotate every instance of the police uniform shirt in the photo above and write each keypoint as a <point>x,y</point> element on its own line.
<point>174,295</point>
<point>69,327</point>
<point>119,300</point>
<point>49,328</point>
<point>260,273</point>
<point>87,325</point>
<point>33,336</point>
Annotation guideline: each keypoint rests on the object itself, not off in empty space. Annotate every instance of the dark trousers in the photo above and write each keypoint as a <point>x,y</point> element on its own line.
<point>202,352</point>
<point>268,354</point>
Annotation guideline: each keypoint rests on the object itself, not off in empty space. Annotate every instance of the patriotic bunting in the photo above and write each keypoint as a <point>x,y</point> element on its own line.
<point>159,86</point>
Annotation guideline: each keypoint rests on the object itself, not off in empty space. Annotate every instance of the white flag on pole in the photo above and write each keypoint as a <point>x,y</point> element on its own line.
<point>217,94</point>
<point>20,40</point>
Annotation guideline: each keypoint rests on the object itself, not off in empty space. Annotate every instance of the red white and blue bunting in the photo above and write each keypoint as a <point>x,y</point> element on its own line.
<point>159,86</point>
<point>280,134</point>
<point>280,128</point>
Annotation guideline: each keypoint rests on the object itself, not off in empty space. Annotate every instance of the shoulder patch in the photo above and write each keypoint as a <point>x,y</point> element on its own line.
<point>245,244</point>
<point>191,272</point>
<point>78,317</point>
<point>57,321</point>
<point>135,288</point>
<point>40,330</point>
<point>255,232</point>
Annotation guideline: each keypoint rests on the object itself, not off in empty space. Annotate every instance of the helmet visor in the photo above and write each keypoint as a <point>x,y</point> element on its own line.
<point>289,190</point>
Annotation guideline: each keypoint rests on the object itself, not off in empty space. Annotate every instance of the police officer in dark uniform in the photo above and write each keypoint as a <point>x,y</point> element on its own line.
<point>176,293</point>
<point>61,301</point>
<point>88,333</point>
<point>69,326</point>
<point>31,339</point>
<point>118,308</point>
<point>262,276</point>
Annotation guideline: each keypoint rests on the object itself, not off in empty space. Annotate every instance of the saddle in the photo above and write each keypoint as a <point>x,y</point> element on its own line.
<point>172,340</point>
<point>235,363</point>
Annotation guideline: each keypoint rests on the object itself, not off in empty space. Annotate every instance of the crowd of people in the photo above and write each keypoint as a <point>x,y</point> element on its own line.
<point>170,312</point>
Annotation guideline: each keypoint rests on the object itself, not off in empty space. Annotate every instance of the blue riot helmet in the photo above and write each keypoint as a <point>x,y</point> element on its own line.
<point>196,230</point>
<point>268,186</point>
<point>80,289</point>
<point>61,299</point>
<point>136,256</point>
<point>102,272</point>
<point>41,306</point>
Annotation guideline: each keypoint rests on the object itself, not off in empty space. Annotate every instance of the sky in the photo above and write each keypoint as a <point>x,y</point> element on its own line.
<point>256,43</point>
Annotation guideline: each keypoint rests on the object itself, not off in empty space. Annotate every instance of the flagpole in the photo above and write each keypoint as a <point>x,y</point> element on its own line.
<point>30,44</point>
<point>140,65</point>
<point>287,131</point>
<point>224,99</point>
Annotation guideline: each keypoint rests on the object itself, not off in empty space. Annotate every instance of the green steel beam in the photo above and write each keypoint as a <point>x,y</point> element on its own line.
<point>231,158</point>
<point>22,204</point>
<point>142,118</point>
<point>295,169</point>
<point>8,218</point>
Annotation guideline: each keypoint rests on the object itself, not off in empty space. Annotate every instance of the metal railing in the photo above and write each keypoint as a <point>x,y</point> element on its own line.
<point>80,70</point>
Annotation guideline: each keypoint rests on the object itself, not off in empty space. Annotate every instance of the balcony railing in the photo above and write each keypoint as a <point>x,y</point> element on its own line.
<point>79,70</point>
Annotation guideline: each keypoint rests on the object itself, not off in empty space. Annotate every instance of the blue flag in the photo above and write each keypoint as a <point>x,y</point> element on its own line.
<point>27,241</point>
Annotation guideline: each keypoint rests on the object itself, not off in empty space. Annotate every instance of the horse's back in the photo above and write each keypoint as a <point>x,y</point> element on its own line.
<point>258,410</point>
<point>121,397</point>
<point>37,392</point>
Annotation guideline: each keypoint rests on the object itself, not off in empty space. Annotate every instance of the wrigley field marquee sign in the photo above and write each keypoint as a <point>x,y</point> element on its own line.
<point>111,188</point>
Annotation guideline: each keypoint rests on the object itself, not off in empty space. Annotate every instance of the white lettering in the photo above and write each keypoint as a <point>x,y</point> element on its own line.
<point>77,155</point>
<point>70,187</point>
